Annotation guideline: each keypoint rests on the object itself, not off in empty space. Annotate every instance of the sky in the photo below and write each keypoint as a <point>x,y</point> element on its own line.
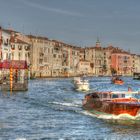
<point>77,22</point>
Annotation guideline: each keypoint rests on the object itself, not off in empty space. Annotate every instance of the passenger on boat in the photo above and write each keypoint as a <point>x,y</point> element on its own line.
<point>129,89</point>
<point>116,79</point>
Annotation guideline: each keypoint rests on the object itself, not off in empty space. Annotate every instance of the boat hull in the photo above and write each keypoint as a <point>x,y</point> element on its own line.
<point>110,107</point>
<point>83,87</point>
<point>117,82</point>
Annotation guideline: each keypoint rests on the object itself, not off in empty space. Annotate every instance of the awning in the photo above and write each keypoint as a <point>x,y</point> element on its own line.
<point>15,64</point>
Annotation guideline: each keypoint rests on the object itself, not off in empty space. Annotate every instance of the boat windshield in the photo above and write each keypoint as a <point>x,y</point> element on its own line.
<point>118,95</point>
<point>112,95</point>
<point>136,96</point>
<point>95,95</point>
<point>126,95</point>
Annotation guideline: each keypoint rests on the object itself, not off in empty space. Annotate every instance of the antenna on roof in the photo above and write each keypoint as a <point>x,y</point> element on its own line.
<point>9,26</point>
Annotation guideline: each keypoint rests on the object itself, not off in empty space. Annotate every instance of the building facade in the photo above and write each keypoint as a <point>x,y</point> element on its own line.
<point>42,57</point>
<point>122,63</point>
<point>135,63</point>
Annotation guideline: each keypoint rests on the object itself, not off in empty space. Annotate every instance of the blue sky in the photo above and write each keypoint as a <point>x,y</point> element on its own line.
<point>77,22</point>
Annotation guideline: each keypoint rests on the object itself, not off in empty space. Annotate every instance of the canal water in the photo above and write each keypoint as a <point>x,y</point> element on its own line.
<point>52,109</point>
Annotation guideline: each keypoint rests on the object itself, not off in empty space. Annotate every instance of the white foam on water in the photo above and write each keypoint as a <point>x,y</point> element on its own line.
<point>137,117</point>
<point>84,91</point>
<point>66,104</point>
<point>102,82</point>
<point>78,102</point>
<point>20,138</point>
<point>89,114</point>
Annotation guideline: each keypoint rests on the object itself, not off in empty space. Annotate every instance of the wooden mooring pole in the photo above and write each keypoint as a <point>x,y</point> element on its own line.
<point>11,79</point>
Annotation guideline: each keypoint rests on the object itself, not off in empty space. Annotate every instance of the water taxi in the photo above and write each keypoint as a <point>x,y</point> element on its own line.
<point>115,103</point>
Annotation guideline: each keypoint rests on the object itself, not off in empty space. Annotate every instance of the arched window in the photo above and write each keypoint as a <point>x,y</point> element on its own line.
<point>19,47</point>
<point>27,47</point>
<point>12,47</point>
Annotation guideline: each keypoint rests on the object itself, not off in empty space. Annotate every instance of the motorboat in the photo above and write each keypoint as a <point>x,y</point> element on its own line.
<point>136,76</point>
<point>117,81</point>
<point>114,103</point>
<point>81,84</point>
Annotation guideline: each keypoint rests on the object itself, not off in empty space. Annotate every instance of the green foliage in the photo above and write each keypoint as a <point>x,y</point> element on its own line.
<point>104,68</point>
<point>113,71</point>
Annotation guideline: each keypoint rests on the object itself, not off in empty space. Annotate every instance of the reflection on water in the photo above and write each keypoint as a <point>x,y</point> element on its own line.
<point>52,109</point>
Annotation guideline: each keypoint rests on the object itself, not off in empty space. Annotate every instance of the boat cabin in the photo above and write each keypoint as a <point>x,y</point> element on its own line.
<point>114,95</point>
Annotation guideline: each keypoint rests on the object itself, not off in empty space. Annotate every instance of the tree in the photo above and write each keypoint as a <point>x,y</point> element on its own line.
<point>113,71</point>
<point>104,68</point>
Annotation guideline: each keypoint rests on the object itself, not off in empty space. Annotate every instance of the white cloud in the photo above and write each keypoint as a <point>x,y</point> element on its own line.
<point>55,10</point>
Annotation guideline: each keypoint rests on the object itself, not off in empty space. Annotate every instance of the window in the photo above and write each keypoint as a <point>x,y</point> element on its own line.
<point>19,55</point>
<point>12,47</point>
<point>104,95</point>
<point>19,47</point>
<point>123,95</point>
<point>12,56</point>
<point>54,55</point>
<point>115,96</point>
<point>26,56</point>
<point>7,41</point>
<point>95,95</point>
<point>6,55</point>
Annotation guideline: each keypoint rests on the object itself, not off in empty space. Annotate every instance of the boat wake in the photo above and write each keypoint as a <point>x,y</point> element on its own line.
<point>89,114</point>
<point>84,91</point>
<point>66,104</point>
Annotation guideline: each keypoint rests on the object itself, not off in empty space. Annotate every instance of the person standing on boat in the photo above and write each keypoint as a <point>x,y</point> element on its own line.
<point>129,89</point>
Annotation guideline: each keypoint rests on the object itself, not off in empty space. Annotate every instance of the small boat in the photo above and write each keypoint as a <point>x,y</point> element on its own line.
<point>117,81</point>
<point>114,103</point>
<point>81,84</point>
<point>136,76</point>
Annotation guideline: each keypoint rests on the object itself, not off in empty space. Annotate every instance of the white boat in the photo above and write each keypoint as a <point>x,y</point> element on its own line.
<point>81,84</point>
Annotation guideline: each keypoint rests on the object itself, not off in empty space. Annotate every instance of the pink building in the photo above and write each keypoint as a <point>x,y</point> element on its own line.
<point>122,63</point>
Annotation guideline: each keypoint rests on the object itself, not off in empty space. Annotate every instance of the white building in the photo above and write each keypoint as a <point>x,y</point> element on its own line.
<point>5,44</point>
<point>20,50</point>
<point>84,67</point>
<point>42,56</point>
